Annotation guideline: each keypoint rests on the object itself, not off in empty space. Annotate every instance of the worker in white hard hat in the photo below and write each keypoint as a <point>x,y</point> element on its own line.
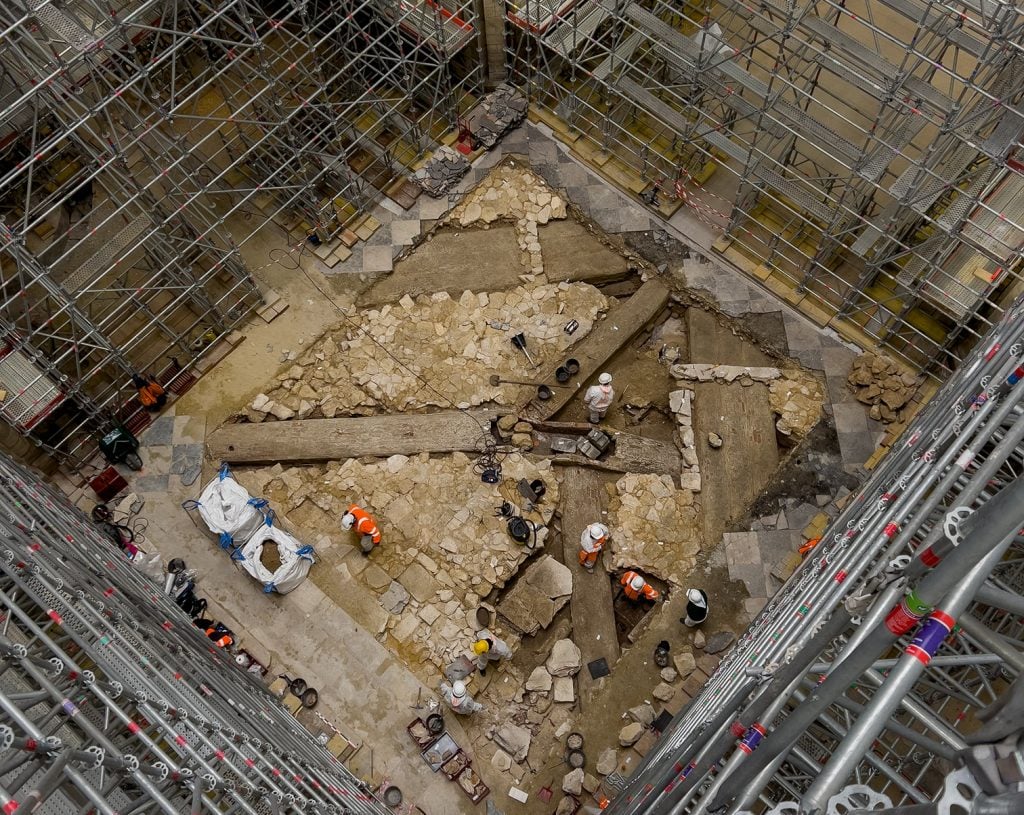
<point>599,397</point>
<point>592,541</point>
<point>489,648</point>
<point>458,699</point>
<point>696,608</point>
<point>635,587</point>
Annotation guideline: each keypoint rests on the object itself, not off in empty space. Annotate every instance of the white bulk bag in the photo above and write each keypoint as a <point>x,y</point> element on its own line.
<point>228,510</point>
<point>296,558</point>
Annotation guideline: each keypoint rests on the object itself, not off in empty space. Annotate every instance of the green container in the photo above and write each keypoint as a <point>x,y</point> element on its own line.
<point>118,444</point>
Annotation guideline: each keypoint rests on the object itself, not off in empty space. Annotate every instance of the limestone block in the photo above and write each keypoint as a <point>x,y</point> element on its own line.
<point>643,713</point>
<point>630,734</point>
<point>669,675</point>
<point>663,692</point>
<point>515,740</point>
<point>565,658</point>
<point>501,760</point>
<point>539,680</point>
<point>395,598</point>
<point>607,761</point>
<point>563,689</point>
<point>685,664</point>
<point>572,782</point>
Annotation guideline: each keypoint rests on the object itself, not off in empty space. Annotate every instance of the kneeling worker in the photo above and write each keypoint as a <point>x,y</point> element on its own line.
<point>457,698</point>
<point>488,648</point>
<point>636,587</point>
<point>365,526</point>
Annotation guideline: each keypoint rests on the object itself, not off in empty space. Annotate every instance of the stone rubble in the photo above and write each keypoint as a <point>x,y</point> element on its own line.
<point>539,681</point>
<point>428,577</point>
<point>699,640</point>
<point>797,398</point>
<point>514,194</point>
<point>504,108</point>
<point>879,382</point>
<point>663,692</point>
<point>630,734</point>
<point>442,172</point>
<point>669,675</point>
<point>607,761</point>
<point>572,782</point>
<point>446,341</point>
<point>680,402</point>
<point>642,713</point>
<point>655,527</point>
<point>685,664</point>
<point>514,740</point>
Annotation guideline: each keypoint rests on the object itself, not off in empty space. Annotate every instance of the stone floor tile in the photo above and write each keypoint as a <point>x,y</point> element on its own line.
<point>404,232</point>
<point>160,432</point>
<point>377,258</point>
<point>431,208</point>
<point>856,448</point>
<point>156,458</point>
<point>189,429</point>
<point>150,483</point>
<point>850,417</point>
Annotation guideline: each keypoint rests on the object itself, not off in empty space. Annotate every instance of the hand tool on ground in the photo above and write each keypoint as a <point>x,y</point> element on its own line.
<point>519,341</point>
<point>498,380</point>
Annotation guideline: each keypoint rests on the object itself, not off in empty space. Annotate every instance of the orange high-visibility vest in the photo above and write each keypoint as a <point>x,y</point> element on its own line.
<point>220,642</point>
<point>648,591</point>
<point>365,525</point>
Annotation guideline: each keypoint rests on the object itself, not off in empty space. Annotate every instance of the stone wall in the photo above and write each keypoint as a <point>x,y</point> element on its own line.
<point>443,549</point>
<point>655,527</point>
<point>450,343</point>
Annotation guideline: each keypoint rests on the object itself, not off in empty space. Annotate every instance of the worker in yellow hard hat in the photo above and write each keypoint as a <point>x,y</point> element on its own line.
<point>488,648</point>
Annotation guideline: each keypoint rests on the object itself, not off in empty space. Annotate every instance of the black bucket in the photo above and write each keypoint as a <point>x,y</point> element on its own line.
<point>435,723</point>
<point>572,365</point>
<point>543,393</point>
<point>539,487</point>
<point>562,375</point>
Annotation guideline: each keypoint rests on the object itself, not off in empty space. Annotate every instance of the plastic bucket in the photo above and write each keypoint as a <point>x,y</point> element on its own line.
<point>543,393</point>
<point>562,374</point>
<point>572,365</point>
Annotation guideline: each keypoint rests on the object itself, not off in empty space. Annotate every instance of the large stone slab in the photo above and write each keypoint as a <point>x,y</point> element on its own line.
<point>419,582</point>
<point>533,602</point>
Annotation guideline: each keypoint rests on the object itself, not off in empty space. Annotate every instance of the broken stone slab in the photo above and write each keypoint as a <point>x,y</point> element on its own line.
<point>607,761</point>
<point>537,596</point>
<point>419,582</point>
<point>501,760</point>
<point>539,680</point>
<point>406,627</point>
<point>567,806</point>
<point>685,664</point>
<point>643,714</point>
<point>375,577</point>
<point>429,614</point>
<point>630,734</point>
<point>514,740</point>
<point>669,675</point>
<point>572,782</point>
<point>719,641</point>
<point>563,689</point>
<point>395,598</point>
<point>663,692</point>
<point>552,578</point>
<point>565,658</point>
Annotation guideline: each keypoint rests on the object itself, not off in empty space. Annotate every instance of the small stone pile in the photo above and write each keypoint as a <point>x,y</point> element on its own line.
<point>797,397</point>
<point>879,382</point>
<point>707,372</point>
<point>504,108</point>
<point>680,402</point>
<point>452,344</point>
<point>654,526</point>
<point>512,193</point>
<point>433,567</point>
<point>442,172</point>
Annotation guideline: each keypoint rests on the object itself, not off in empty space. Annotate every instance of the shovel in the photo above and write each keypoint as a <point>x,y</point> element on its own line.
<point>519,341</point>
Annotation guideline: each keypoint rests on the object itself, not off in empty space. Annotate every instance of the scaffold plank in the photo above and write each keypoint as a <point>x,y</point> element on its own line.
<point>619,56</point>
<point>878,159</point>
<point>447,431</point>
<point>102,260</point>
<point>578,28</point>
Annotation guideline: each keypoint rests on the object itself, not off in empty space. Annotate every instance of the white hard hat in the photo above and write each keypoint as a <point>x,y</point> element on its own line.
<point>458,689</point>
<point>597,531</point>
<point>696,596</point>
<point>348,520</point>
<point>605,378</point>
<point>636,583</point>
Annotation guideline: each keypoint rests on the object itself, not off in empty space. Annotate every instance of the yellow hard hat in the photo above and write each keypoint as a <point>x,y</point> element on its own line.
<point>481,647</point>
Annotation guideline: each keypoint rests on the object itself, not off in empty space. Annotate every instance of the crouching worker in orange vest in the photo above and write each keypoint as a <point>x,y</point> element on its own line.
<point>365,526</point>
<point>635,586</point>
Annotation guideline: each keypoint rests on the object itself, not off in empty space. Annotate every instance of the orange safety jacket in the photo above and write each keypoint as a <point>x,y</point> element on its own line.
<point>222,641</point>
<point>648,591</point>
<point>365,525</point>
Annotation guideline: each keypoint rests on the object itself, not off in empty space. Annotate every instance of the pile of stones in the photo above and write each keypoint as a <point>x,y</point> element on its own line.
<point>451,344</point>
<point>442,172</point>
<point>877,381</point>
<point>654,526</point>
<point>797,398</point>
<point>438,559</point>
<point>514,194</point>
<point>504,108</point>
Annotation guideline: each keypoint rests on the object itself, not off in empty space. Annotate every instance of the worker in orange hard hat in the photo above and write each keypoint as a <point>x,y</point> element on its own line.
<point>636,587</point>
<point>364,524</point>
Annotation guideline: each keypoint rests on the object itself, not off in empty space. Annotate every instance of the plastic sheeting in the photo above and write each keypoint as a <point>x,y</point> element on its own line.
<point>296,558</point>
<point>229,511</point>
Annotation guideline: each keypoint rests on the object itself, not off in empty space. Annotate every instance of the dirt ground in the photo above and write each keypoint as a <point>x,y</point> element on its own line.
<point>734,476</point>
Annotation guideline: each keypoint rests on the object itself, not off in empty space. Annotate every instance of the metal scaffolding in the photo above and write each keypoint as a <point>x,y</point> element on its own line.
<point>143,141</point>
<point>111,701</point>
<point>863,676</point>
<point>862,158</point>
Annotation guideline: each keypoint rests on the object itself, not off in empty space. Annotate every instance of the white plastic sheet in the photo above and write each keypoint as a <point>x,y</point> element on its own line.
<point>296,559</point>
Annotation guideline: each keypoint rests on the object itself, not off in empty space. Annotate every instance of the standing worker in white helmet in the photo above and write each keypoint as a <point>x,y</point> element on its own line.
<point>458,699</point>
<point>599,398</point>
<point>696,608</point>
<point>592,541</point>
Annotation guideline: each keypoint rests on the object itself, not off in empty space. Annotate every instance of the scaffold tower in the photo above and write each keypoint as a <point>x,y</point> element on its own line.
<point>868,676</point>
<point>143,142</point>
<point>861,158</point>
<point>112,701</point>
